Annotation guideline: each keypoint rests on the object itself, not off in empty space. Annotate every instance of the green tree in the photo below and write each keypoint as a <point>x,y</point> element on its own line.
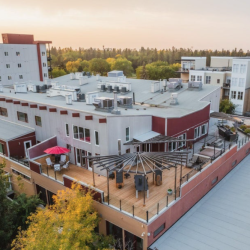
<point>227,106</point>
<point>99,65</point>
<point>124,65</point>
<point>56,72</point>
<point>67,224</point>
<point>85,65</point>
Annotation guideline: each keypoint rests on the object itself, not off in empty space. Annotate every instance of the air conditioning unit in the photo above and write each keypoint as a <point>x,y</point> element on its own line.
<point>174,99</point>
<point>90,97</point>
<point>20,88</point>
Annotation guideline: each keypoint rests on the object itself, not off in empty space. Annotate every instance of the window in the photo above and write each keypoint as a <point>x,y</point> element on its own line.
<point>3,112</point>
<point>192,78</point>
<point>22,175</point>
<point>233,94</point>
<point>7,66</point>
<point>240,95</point>
<point>43,53</point>
<point>80,133</point>
<point>19,65</point>
<point>45,75</point>
<point>67,129</point>
<point>9,77</point>
<point>197,132</point>
<point>127,134</point>
<point>20,76</point>
<point>6,53</point>
<point>182,143</point>
<point>243,68</point>
<point>44,64</point>
<point>241,82</point>
<point>18,53</point>
<point>235,68</point>
<point>23,117</point>
<point>38,121</point>
<point>203,129</point>
<point>96,138</point>
<point>68,147</point>
<point>199,78</point>
<point>234,82</point>
<point>2,151</point>
<point>159,230</point>
<point>208,79</point>
<point>218,81</point>
<point>128,151</point>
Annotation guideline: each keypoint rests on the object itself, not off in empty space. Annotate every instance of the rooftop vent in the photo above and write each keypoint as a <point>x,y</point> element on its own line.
<point>68,99</point>
<point>155,87</point>
<point>195,85</point>
<point>103,89</point>
<point>109,89</point>
<point>20,88</point>
<point>72,76</point>
<point>174,99</point>
<point>115,111</point>
<point>90,97</point>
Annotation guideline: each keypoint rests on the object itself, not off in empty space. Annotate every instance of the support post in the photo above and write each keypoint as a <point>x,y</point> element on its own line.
<point>214,151</point>
<point>147,215</point>
<point>108,184</point>
<point>120,205</point>
<point>133,210</point>
<point>193,148</point>
<point>144,202</point>
<point>158,208</point>
<point>93,171</point>
<point>181,172</point>
<point>167,201</point>
<point>175,182</point>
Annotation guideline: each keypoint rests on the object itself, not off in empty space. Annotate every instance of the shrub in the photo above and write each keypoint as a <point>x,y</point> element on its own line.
<point>247,130</point>
<point>243,127</point>
<point>233,129</point>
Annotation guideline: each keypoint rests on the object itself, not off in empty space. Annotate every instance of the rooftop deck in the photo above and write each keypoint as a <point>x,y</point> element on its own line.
<point>125,199</point>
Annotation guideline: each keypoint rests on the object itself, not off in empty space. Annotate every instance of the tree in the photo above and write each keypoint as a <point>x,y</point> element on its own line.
<point>85,65</point>
<point>67,224</point>
<point>124,65</point>
<point>99,65</point>
<point>72,66</point>
<point>227,106</point>
<point>56,72</point>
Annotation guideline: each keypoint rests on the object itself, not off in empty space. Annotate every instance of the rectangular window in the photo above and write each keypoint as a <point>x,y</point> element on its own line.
<point>96,138</point>
<point>234,82</point>
<point>18,53</point>
<point>218,81</point>
<point>43,53</point>
<point>3,112</point>
<point>243,68</point>
<point>235,68</point>
<point>87,135</point>
<point>241,82</point>
<point>38,121</point>
<point>7,66</point>
<point>45,75</point>
<point>67,129</point>
<point>6,53</point>
<point>81,133</point>
<point>20,76</point>
<point>240,95</point>
<point>208,79</point>
<point>204,129</point>
<point>233,94</point>
<point>75,132</point>
<point>192,78</point>
<point>19,65</point>
<point>127,134</point>
<point>68,147</point>
<point>159,230</point>
<point>170,145</point>
<point>44,64</point>
<point>2,151</point>
<point>9,77</point>
<point>174,146</point>
<point>197,132</point>
<point>22,175</point>
<point>199,78</point>
<point>23,117</point>
<point>0,78</point>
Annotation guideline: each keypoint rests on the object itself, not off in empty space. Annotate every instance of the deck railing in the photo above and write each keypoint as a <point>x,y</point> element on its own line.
<point>20,160</point>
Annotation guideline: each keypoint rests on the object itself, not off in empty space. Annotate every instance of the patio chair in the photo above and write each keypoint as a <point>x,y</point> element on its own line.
<point>62,159</point>
<point>57,167</point>
<point>49,162</point>
<point>66,166</point>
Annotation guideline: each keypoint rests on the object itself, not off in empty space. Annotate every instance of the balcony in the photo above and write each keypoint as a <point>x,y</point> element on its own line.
<point>226,85</point>
<point>184,70</point>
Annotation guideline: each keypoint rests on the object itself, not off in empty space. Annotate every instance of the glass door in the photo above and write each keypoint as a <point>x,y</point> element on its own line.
<point>89,163</point>
<point>80,161</point>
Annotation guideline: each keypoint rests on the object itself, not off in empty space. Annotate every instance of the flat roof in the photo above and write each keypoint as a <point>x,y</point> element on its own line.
<point>220,220</point>
<point>145,100</point>
<point>10,130</point>
<point>146,136</point>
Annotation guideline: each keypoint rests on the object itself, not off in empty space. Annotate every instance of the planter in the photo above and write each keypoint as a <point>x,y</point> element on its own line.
<point>170,191</point>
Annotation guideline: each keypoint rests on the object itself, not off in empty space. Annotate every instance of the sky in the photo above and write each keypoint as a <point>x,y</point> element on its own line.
<point>196,24</point>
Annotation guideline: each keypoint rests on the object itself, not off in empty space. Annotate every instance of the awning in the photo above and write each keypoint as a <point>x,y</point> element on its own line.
<point>146,136</point>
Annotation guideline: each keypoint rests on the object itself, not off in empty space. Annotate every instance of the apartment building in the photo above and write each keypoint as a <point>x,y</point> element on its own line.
<point>22,59</point>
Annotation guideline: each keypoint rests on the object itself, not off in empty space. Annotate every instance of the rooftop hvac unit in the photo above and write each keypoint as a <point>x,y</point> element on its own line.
<point>33,88</point>
<point>195,85</point>
<point>116,88</point>
<point>55,84</point>
<point>20,88</point>
<point>103,88</point>
<point>88,74</point>
<point>104,104</point>
<point>125,102</point>
<point>68,99</point>
<point>1,88</point>
<point>81,97</point>
<point>174,85</point>
<point>174,100</point>
<point>72,76</point>
<point>90,97</point>
<point>123,90</point>
<point>109,89</point>
<point>155,86</point>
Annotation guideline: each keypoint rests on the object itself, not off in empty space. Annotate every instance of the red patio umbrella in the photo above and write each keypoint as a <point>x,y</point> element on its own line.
<point>56,150</point>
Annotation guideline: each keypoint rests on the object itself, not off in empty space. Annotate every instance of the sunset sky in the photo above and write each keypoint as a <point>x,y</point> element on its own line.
<point>200,24</point>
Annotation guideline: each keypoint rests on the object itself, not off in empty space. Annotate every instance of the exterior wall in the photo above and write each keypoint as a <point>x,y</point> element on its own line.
<point>217,61</point>
<point>28,59</point>
<point>17,39</point>
<point>159,125</point>
<point>213,99</point>
<point>16,146</point>
<point>185,77</point>
<point>44,69</point>
<point>197,187</point>
<point>187,124</point>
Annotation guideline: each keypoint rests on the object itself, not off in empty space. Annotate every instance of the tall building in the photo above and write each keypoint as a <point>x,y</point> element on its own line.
<point>22,59</point>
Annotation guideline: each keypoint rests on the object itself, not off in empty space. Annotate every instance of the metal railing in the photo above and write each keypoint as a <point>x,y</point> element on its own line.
<point>20,160</point>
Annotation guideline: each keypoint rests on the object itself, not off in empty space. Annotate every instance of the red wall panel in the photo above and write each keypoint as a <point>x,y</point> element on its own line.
<point>158,124</point>
<point>35,167</point>
<point>17,38</point>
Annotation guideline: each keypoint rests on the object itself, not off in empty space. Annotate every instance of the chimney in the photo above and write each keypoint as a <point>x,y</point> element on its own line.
<point>115,111</point>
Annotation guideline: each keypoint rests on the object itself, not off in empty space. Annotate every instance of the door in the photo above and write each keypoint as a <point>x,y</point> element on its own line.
<point>27,145</point>
<point>80,161</point>
<point>89,163</point>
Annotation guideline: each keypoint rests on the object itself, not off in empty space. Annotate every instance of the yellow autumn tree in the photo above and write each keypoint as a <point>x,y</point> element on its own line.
<point>68,224</point>
<point>73,66</point>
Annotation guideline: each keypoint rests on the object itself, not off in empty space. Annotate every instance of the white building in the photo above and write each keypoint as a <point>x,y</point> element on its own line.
<point>22,59</point>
